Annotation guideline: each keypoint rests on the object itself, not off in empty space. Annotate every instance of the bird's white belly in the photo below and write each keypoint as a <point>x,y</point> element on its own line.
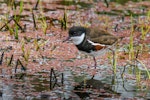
<point>97,53</point>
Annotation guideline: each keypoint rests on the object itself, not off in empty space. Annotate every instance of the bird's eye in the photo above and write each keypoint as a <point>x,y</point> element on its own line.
<point>73,33</point>
<point>79,33</point>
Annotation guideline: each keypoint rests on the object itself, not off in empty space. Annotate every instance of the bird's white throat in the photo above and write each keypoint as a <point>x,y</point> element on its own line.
<point>78,39</point>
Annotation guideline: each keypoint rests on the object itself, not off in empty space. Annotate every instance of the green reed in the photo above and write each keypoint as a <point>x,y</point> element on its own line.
<point>17,16</point>
<point>25,51</point>
<point>16,32</point>
<point>138,74</point>
<point>112,56</point>
<point>131,45</point>
<point>43,22</point>
<point>115,61</point>
<point>21,7</point>
<point>144,66</point>
<point>145,28</point>
<point>64,21</point>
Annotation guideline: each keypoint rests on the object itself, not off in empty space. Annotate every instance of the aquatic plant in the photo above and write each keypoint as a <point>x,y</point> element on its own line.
<point>144,66</point>
<point>25,51</point>
<point>16,33</point>
<point>44,24</point>
<point>16,14</point>
<point>112,56</point>
<point>10,29</point>
<point>145,28</point>
<point>43,19</point>
<point>131,46</point>
<point>34,22</point>
<point>39,44</point>
<point>63,21</point>
<point>21,7</point>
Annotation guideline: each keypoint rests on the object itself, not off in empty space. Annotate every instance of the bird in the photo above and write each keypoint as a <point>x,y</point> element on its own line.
<point>91,40</point>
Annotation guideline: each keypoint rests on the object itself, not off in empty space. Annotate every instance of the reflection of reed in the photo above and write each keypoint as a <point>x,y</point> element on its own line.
<point>53,79</point>
<point>13,18</point>
<point>1,60</point>
<point>22,66</point>
<point>10,61</point>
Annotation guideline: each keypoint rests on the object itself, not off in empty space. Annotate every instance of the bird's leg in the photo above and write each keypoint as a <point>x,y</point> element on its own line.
<point>95,63</point>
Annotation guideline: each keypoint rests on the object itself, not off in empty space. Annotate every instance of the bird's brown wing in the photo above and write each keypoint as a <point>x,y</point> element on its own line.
<point>101,36</point>
<point>96,32</point>
<point>107,40</point>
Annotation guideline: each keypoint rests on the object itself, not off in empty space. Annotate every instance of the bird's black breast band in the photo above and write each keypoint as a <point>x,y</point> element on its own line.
<point>86,46</point>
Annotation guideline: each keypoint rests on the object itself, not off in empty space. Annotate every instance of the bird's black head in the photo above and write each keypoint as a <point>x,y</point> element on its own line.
<point>77,31</point>
<point>77,34</point>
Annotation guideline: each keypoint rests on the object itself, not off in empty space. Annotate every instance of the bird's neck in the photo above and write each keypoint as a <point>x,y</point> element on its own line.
<point>83,42</point>
<point>77,40</point>
<point>85,46</point>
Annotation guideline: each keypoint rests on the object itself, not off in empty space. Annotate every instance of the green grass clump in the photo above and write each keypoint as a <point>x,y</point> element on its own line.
<point>114,61</point>
<point>43,24</point>
<point>63,21</point>
<point>26,52</point>
<point>131,46</point>
<point>16,33</point>
<point>145,28</point>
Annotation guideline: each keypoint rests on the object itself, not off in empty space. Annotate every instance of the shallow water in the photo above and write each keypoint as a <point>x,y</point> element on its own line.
<point>76,82</point>
<point>37,87</point>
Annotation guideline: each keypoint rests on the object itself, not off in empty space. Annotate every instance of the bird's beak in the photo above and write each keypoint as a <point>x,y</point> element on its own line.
<point>67,39</point>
